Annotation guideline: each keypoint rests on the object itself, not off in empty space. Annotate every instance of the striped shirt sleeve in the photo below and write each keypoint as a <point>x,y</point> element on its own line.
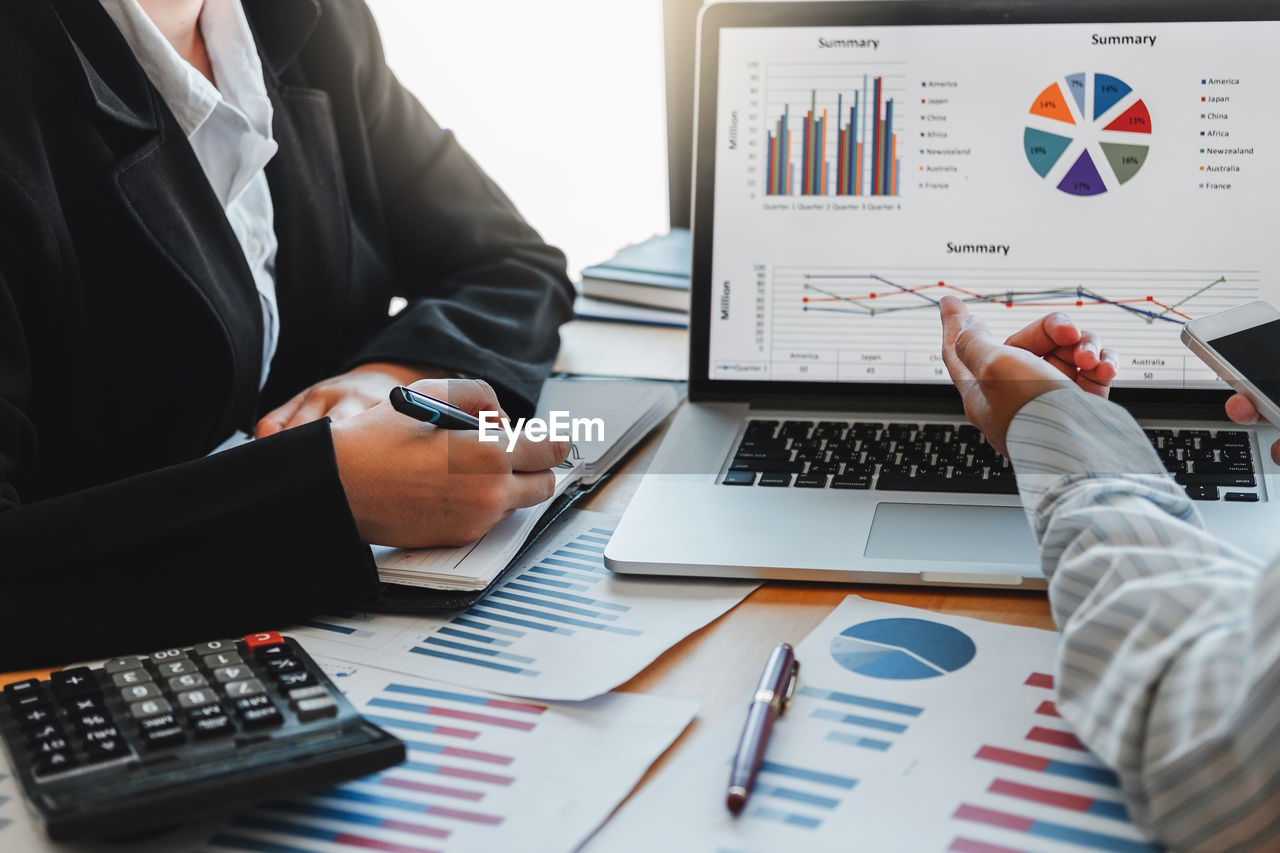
<point>1169,666</point>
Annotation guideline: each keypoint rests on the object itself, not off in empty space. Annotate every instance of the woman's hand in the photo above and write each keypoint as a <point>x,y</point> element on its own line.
<point>412,485</point>
<point>344,395</point>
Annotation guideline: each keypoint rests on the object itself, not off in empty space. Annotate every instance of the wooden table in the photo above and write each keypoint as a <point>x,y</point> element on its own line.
<point>718,666</point>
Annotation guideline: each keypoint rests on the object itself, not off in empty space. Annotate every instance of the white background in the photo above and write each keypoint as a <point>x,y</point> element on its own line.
<point>561,101</point>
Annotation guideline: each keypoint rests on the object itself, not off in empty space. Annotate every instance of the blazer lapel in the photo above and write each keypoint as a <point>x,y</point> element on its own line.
<point>162,185</point>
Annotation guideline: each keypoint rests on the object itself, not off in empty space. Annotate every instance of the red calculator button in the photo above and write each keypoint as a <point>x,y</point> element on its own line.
<point>266,638</point>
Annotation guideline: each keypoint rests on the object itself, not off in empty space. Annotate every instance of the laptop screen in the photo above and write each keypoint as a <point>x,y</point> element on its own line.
<point>1125,173</point>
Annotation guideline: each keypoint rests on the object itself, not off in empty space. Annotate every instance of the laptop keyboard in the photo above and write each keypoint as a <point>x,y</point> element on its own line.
<point>938,457</point>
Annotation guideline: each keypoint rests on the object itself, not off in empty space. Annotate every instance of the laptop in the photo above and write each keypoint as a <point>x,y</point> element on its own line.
<point>856,161</point>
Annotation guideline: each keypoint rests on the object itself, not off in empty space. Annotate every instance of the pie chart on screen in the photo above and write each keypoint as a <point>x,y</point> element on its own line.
<point>1087,133</point>
<point>902,649</point>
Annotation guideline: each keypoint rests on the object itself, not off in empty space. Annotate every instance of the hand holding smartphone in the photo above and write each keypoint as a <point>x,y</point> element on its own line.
<point>1242,345</point>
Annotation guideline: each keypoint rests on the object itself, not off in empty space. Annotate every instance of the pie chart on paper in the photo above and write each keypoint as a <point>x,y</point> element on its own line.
<point>902,649</point>
<point>1087,133</point>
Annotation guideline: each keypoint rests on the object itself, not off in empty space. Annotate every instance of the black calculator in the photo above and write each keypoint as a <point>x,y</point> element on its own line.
<point>150,741</point>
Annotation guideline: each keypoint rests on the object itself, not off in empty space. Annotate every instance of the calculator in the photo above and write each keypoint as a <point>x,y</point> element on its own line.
<point>149,741</point>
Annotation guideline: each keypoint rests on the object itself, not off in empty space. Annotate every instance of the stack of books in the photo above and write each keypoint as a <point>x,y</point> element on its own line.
<point>645,283</point>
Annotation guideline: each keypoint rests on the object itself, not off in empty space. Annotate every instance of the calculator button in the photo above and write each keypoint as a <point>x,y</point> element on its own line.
<point>104,733</point>
<point>278,665</point>
<point>106,749</point>
<point>35,716</point>
<point>249,703</point>
<point>52,745</point>
<point>131,676</point>
<point>177,667</point>
<point>91,721</point>
<point>221,659</point>
<point>297,694</point>
<point>313,709</point>
<point>159,721</point>
<point>86,705</point>
<point>289,680</point>
<point>54,762</point>
<point>259,718</point>
<point>77,681</point>
<point>167,655</point>
<point>213,726</point>
<point>213,709</point>
<point>268,653</point>
<point>163,736</point>
<point>224,674</point>
<point>266,638</point>
<point>237,689</point>
<point>149,708</point>
<point>215,646</point>
<point>46,733</point>
<point>23,693</point>
<point>138,692</point>
<point>122,664</point>
<point>196,698</point>
<point>190,681</point>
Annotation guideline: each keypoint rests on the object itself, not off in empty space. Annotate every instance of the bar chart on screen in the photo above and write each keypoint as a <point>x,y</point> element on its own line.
<point>909,731</point>
<point>483,772</point>
<point>559,626</point>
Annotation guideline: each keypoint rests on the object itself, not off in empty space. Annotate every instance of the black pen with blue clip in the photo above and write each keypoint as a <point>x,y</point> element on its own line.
<point>406,401</point>
<point>777,684</point>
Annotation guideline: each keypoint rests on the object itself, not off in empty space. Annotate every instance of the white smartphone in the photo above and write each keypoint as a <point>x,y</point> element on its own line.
<point>1242,345</point>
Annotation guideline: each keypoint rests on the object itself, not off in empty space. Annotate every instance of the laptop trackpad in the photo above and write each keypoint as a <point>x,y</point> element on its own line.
<point>952,534</point>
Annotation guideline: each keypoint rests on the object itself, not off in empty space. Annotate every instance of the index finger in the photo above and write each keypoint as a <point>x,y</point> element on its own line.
<point>1047,334</point>
<point>966,343</point>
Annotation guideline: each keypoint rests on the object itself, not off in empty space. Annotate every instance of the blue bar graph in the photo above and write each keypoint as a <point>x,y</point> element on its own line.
<point>544,570</point>
<point>861,701</point>
<point>523,623</point>
<point>858,720</point>
<point>488,664</point>
<point>854,740</point>
<point>503,595</point>
<point>541,581</point>
<point>463,647</point>
<point>797,796</point>
<point>785,817</point>
<point>475,638</point>
<point>481,626</point>
<point>843,782</point>
<point>579,599</point>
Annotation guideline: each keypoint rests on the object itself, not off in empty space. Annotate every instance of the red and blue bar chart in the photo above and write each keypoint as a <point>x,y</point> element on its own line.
<point>1036,780</point>
<point>857,156</point>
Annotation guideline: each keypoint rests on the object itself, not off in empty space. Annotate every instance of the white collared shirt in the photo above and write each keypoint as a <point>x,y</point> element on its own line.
<point>228,126</point>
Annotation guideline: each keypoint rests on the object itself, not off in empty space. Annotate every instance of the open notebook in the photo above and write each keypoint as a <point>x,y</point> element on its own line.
<point>630,410</point>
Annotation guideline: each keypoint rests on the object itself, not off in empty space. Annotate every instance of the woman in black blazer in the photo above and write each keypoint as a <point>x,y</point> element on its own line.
<point>131,339</point>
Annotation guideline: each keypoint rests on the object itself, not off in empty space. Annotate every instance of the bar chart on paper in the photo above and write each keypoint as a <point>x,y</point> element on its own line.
<point>483,773</point>
<point>908,731</point>
<point>559,626</point>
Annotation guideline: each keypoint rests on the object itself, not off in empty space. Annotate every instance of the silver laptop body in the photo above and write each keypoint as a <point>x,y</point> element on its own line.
<point>853,162</point>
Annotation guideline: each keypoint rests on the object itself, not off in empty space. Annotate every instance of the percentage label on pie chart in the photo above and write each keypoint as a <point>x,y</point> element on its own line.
<point>1088,133</point>
<point>902,649</point>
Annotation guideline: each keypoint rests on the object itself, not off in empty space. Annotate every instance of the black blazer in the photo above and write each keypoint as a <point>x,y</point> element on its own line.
<point>131,333</point>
